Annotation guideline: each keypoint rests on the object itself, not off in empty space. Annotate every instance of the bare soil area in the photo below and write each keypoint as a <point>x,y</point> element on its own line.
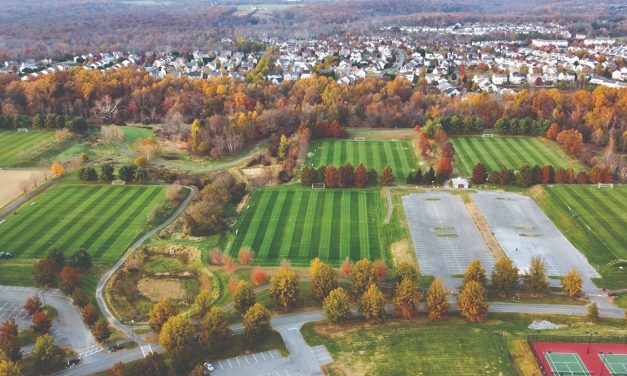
<point>14,182</point>
<point>156,289</point>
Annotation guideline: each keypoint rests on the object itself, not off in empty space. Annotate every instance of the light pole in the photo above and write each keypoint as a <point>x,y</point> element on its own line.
<point>590,333</point>
<point>132,334</point>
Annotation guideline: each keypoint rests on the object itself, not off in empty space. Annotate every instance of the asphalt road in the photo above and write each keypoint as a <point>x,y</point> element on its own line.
<point>305,360</point>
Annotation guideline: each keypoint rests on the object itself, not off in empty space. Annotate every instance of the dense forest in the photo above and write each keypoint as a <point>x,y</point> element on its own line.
<point>59,29</point>
<point>233,113</point>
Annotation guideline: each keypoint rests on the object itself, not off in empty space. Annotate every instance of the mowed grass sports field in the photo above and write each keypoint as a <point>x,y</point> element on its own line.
<point>15,145</point>
<point>102,219</point>
<point>594,219</point>
<point>399,155</point>
<point>299,224</point>
<point>511,152</point>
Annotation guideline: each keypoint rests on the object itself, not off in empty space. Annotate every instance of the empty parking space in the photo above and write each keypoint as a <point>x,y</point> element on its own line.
<point>321,354</point>
<point>445,237</point>
<point>10,311</point>
<point>253,364</point>
<point>524,231</point>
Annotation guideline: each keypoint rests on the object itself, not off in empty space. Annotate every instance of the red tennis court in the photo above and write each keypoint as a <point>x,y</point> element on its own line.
<point>598,358</point>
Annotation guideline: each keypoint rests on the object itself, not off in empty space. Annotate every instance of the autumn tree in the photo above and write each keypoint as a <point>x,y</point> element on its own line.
<point>45,273</point>
<point>380,270</point>
<point>330,177</point>
<point>33,305</point>
<point>362,276</point>
<point>89,314</point>
<point>444,166</point>
<point>256,321</point>
<point>479,174</point>
<point>258,276</point>
<point>57,169</point>
<point>405,269</point>
<point>572,283</point>
<point>372,304</point>
<point>243,297</point>
<point>475,272</point>
<point>472,301</point>
<point>407,299</point>
<point>9,367</point>
<point>551,133</point>
<point>387,176</point>
<point>246,255</point>
<point>536,281</point>
<point>101,330</point>
<point>593,312</point>
<point>70,279</point>
<point>346,268</point>
<point>571,140</point>
<point>160,313</point>
<point>361,176</point>
<point>504,276</point>
<point>437,300</point>
<point>284,288</point>
<point>202,303</point>
<point>323,280</point>
<point>336,306</point>
<point>214,328</point>
<point>9,341</point>
<point>177,338</point>
<point>47,356</point>
<point>41,323</point>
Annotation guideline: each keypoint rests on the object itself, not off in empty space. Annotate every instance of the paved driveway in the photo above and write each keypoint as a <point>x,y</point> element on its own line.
<point>68,328</point>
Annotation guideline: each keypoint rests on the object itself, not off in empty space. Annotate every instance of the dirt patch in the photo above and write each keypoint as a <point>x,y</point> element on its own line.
<point>13,183</point>
<point>482,225</point>
<point>156,289</point>
<point>260,176</point>
<point>401,251</point>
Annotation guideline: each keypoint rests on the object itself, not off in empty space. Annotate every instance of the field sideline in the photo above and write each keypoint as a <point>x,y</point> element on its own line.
<point>298,224</point>
<point>594,220</point>
<point>103,219</point>
<point>510,152</point>
<point>399,155</point>
<point>14,144</point>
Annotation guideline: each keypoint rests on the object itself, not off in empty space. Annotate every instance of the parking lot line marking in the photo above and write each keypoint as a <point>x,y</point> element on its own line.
<point>264,357</point>
<point>238,363</point>
<point>254,356</point>
<point>247,361</point>
<point>272,355</point>
<point>230,365</point>
<point>287,373</point>
<point>220,364</point>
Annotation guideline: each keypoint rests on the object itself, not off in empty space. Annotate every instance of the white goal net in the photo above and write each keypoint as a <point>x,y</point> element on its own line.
<point>317,186</point>
<point>606,185</point>
<point>360,138</point>
<point>488,135</point>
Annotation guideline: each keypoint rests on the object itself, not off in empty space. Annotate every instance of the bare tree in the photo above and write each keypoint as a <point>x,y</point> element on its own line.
<point>107,108</point>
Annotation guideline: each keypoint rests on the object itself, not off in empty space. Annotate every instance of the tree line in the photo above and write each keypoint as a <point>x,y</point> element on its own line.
<point>527,176</point>
<point>346,176</point>
<point>48,122</point>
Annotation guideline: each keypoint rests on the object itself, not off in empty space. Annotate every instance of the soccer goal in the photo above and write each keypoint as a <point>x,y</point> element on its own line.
<point>488,135</point>
<point>317,186</point>
<point>606,185</point>
<point>360,138</point>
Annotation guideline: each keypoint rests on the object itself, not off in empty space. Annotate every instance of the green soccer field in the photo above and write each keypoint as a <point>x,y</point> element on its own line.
<point>375,154</point>
<point>299,224</point>
<point>15,146</point>
<point>102,219</point>
<point>594,220</point>
<point>510,152</point>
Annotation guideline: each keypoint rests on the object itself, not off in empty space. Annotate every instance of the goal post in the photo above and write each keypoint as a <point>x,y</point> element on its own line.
<point>359,139</point>
<point>317,186</point>
<point>606,185</point>
<point>488,135</point>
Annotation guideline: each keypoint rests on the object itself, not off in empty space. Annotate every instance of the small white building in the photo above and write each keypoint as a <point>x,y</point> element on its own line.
<point>459,183</point>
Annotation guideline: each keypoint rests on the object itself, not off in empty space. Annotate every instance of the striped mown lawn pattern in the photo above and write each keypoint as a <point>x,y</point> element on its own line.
<point>14,144</point>
<point>299,224</point>
<point>604,210</point>
<point>103,219</point>
<point>375,154</point>
<point>510,152</point>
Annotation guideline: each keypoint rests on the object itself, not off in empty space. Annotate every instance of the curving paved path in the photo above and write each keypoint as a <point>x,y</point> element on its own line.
<point>105,278</point>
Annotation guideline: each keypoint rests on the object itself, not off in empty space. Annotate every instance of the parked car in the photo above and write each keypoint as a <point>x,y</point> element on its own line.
<point>209,367</point>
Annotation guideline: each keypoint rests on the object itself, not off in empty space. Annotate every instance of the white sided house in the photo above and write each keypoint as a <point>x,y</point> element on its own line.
<point>459,183</point>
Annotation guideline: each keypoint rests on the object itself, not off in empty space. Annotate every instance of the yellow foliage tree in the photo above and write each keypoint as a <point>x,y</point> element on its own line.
<point>472,302</point>
<point>572,283</point>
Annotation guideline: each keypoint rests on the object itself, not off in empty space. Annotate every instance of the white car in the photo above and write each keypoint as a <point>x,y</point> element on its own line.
<point>209,367</point>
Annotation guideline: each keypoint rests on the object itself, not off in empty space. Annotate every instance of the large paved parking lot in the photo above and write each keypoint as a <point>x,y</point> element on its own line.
<point>445,237</point>
<point>524,231</point>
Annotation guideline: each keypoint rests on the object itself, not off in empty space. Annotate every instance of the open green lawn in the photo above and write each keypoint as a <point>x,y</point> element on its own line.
<point>595,221</point>
<point>510,152</point>
<point>454,347</point>
<point>298,224</point>
<point>16,147</point>
<point>399,155</point>
<point>131,134</point>
<point>103,219</point>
